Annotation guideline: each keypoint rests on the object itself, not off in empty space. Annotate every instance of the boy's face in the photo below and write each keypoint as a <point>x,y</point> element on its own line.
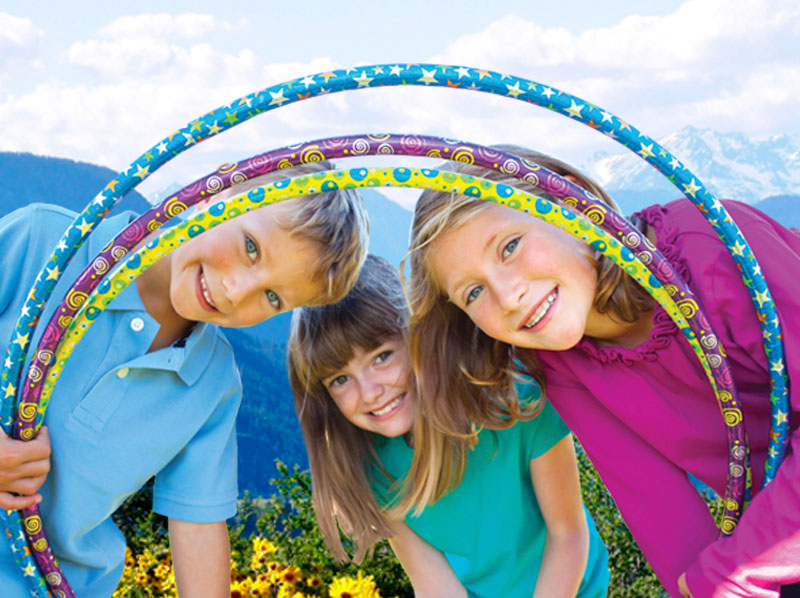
<point>244,271</point>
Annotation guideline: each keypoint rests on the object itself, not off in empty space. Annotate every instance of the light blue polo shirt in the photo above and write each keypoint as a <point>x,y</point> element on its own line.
<point>490,527</point>
<point>119,415</point>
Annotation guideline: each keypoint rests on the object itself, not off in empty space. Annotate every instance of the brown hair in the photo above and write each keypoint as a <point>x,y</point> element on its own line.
<point>464,377</point>
<point>341,455</point>
<point>335,221</point>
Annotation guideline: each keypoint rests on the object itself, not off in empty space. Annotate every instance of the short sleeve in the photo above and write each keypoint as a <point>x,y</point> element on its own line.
<point>200,483</point>
<point>15,234</point>
<point>543,432</point>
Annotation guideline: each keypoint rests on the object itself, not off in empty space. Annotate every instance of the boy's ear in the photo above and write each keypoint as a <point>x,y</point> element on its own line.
<point>210,200</point>
<point>573,179</point>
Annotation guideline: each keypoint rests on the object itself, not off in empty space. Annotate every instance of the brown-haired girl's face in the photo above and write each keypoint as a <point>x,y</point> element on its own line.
<point>521,280</point>
<point>373,390</point>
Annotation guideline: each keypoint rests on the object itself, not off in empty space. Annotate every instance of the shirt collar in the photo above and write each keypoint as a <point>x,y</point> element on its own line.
<point>189,361</point>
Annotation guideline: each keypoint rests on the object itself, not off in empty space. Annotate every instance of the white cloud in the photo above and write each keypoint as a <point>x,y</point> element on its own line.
<point>730,64</point>
<point>151,74</point>
<point>19,45</point>
<point>153,45</point>
<point>166,26</point>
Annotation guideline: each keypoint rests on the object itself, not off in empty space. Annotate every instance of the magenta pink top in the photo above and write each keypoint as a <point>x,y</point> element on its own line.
<point>647,416</point>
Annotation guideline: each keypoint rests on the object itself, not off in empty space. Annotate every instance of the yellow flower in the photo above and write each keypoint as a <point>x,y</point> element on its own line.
<point>344,587</point>
<point>347,587</point>
<point>313,581</point>
<point>142,579</point>
<point>263,545</point>
<point>238,591</point>
<point>291,575</point>
<point>162,571</point>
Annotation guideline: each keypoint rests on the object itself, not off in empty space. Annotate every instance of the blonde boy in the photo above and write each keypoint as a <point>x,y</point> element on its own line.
<point>153,390</point>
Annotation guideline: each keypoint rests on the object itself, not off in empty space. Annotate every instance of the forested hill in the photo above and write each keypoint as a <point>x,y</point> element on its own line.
<point>27,178</point>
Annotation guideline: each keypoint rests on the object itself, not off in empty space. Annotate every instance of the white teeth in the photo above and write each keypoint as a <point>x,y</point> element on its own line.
<point>204,288</point>
<point>389,407</point>
<point>539,314</point>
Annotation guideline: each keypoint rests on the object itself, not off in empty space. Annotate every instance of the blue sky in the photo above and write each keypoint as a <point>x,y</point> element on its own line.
<point>102,82</point>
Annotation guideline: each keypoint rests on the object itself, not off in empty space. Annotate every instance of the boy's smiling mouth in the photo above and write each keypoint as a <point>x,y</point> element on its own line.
<point>541,310</point>
<point>205,293</point>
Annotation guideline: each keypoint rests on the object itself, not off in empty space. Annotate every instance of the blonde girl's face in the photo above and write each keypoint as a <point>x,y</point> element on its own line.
<point>373,389</point>
<point>521,280</point>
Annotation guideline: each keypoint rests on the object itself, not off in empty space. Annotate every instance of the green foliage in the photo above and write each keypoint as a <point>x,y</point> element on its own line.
<point>142,527</point>
<point>287,519</point>
<point>631,575</point>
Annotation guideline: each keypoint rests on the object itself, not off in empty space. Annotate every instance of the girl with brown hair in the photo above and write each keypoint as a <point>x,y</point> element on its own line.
<point>514,526</point>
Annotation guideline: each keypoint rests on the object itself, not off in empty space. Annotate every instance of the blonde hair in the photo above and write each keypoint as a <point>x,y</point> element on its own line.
<point>322,340</point>
<point>465,378</point>
<point>335,221</point>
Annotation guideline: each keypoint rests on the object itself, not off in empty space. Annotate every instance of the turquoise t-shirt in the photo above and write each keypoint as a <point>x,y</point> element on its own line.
<point>490,528</point>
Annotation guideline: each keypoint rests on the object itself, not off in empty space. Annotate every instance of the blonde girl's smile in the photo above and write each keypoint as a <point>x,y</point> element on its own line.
<point>521,280</point>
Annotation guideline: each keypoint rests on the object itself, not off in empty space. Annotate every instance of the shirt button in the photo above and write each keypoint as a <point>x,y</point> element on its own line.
<point>137,324</point>
<point>122,372</point>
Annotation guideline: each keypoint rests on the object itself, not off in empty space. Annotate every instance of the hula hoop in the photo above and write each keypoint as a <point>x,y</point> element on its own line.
<point>252,105</point>
<point>578,226</point>
<point>457,77</point>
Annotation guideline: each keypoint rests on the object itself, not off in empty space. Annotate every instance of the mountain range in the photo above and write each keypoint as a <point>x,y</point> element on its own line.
<point>731,165</point>
<point>764,173</point>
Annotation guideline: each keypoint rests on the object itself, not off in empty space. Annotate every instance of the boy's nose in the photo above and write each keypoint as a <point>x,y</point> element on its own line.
<point>239,286</point>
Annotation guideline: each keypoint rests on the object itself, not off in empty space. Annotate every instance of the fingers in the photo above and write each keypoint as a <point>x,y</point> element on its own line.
<point>24,465</point>
<point>11,502</point>
<point>682,587</point>
<point>25,486</point>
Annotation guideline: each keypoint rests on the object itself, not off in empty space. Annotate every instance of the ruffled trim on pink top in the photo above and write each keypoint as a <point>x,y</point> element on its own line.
<point>664,329</point>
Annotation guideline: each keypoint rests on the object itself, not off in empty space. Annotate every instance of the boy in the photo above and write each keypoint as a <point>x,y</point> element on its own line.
<point>153,388</point>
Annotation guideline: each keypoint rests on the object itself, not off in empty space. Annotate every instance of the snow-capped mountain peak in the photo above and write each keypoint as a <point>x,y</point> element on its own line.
<point>730,164</point>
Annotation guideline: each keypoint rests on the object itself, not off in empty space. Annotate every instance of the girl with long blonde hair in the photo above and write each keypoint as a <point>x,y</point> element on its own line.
<point>491,287</point>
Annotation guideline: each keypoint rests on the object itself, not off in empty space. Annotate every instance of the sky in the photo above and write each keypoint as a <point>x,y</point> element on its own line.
<point>103,82</point>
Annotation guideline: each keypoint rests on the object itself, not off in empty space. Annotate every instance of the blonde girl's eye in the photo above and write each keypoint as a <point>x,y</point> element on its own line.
<point>473,294</point>
<point>251,248</point>
<point>510,247</point>
<point>273,299</point>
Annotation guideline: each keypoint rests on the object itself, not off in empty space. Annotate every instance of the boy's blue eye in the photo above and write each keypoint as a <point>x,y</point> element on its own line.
<point>251,248</point>
<point>473,294</point>
<point>509,249</point>
<point>273,299</point>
